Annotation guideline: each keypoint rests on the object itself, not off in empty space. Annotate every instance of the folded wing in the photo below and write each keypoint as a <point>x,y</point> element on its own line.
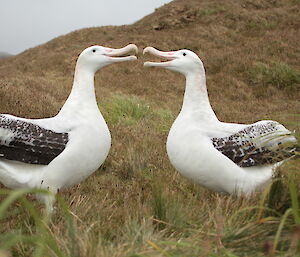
<point>262,143</point>
<point>29,143</point>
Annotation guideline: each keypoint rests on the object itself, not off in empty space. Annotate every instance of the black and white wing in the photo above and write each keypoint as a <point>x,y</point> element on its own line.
<point>259,144</point>
<point>29,143</point>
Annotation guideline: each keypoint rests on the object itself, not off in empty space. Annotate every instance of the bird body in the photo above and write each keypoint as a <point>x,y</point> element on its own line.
<point>224,157</point>
<point>63,150</point>
<point>192,153</point>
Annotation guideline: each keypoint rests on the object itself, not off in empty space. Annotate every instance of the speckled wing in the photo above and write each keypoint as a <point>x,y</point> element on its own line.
<point>256,145</point>
<point>29,143</point>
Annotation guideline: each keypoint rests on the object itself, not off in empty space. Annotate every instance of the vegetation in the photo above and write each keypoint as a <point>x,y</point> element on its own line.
<point>279,75</point>
<point>137,204</point>
<point>172,221</point>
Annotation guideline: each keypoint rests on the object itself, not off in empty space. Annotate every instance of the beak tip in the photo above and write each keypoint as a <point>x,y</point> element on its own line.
<point>134,48</point>
<point>147,49</point>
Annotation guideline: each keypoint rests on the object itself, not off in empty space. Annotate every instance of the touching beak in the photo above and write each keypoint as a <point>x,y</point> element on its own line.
<point>118,55</point>
<point>165,55</point>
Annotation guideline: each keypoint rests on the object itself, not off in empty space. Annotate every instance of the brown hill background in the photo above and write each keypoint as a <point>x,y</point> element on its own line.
<point>137,204</point>
<point>234,39</point>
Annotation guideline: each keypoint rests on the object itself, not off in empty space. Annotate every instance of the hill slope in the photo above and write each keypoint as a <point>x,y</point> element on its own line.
<point>232,39</point>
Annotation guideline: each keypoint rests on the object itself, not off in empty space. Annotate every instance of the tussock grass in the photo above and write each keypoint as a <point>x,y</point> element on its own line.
<point>128,110</point>
<point>279,75</point>
<point>227,227</point>
<point>125,109</point>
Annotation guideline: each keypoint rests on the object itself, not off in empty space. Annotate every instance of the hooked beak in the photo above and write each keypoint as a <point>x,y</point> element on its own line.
<point>165,55</point>
<point>117,55</point>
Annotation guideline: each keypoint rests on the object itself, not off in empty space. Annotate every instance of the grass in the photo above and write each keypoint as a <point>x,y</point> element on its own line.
<point>37,238</point>
<point>136,204</point>
<point>279,75</point>
<point>126,110</point>
<point>209,11</point>
<point>141,207</point>
<point>230,227</point>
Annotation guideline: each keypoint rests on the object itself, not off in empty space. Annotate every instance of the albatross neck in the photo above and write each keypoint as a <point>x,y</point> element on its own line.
<point>82,95</point>
<point>195,99</point>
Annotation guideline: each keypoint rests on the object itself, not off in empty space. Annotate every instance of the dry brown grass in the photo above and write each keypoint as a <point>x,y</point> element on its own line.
<point>137,204</point>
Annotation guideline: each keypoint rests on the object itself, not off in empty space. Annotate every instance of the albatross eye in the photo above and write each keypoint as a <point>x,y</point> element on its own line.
<point>94,50</point>
<point>184,54</point>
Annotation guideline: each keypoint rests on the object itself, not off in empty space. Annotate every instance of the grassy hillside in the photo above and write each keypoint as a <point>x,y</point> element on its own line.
<point>137,204</point>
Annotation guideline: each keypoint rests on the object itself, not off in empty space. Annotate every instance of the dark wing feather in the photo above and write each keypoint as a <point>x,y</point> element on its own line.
<point>29,143</point>
<point>244,149</point>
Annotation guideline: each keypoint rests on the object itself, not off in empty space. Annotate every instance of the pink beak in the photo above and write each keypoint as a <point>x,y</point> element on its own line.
<point>114,53</point>
<point>166,55</point>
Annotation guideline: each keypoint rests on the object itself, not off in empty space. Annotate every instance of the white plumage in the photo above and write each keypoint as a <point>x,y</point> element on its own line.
<point>224,157</point>
<point>61,151</point>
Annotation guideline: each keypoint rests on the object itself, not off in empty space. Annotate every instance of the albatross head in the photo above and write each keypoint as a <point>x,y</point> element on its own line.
<point>183,61</point>
<point>95,57</point>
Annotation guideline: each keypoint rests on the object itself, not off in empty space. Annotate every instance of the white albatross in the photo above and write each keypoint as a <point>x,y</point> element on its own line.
<point>61,151</point>
<point>224,157</point>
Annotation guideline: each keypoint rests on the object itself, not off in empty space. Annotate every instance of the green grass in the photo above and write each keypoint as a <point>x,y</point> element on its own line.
<point>36,239</point>
<point>127,110</point>
<point>279,75</point>
<point>159,207</point>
